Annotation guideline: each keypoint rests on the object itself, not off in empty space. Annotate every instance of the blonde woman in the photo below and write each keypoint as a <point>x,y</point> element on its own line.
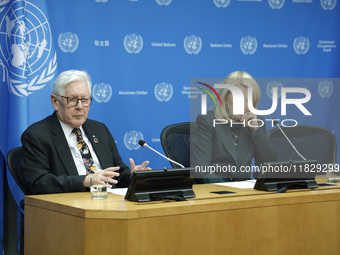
<point>226,143</point>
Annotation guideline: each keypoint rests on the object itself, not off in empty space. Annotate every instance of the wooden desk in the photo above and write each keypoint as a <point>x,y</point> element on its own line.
<point>246,222</point>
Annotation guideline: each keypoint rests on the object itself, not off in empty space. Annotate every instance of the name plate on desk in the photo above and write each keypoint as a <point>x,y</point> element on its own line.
<point>151,185</point>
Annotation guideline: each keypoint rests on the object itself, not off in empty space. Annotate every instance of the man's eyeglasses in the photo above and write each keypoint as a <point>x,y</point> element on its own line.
<point>74,101</point>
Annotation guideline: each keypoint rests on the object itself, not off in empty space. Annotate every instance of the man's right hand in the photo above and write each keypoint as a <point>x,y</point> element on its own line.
<point>100,177</point>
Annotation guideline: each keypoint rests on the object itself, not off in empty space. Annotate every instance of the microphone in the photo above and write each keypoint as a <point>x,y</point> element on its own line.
<point>144,144</point>
<point>276,123</point>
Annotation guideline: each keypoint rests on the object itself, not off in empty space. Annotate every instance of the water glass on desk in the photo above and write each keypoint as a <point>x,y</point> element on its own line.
<point>98,191</point>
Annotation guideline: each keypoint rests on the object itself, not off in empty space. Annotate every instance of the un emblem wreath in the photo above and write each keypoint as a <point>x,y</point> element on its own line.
<point>27,38</point>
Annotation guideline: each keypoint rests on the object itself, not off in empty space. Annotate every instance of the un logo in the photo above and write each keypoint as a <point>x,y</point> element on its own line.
<point>276,4</point>
<point>68,42</point>
<point>221,3</point>
<point>27,58</point>
<point>131,140</point>
<point>192,44</point>
<point>102,92</point>
<point>163,91</point>
<point>164,2</point>
<point>133,43</point>
<point>271,85</point>
<point>328,4</point>
<point>325,88</point>
<point>248,45</point>
<point>301,45</point>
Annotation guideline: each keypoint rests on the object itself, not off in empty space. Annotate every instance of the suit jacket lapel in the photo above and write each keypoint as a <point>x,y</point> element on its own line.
<point>227,140</point>
<point>244,147</point>
<point>61,146</point>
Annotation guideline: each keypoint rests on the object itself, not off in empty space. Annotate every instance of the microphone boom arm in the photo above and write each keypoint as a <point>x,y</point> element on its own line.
<point>164,156</point>
<point>290,142</point>
<point>144,144</point>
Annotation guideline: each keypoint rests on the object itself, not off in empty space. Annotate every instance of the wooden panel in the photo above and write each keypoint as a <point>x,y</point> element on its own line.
<point>297,222</point>
<point>172,234</point>
<point>266,230</point>
<point>49,232</point>
<point>309,228</point>
<point>105,236</point>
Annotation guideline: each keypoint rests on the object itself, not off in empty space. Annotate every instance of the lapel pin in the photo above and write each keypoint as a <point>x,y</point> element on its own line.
<point>95,139</point>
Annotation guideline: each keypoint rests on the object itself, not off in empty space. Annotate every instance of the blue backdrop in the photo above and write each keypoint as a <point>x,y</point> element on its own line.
<point>142,54</point>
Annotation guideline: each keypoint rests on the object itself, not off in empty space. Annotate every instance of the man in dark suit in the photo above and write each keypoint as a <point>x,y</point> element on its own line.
<point>65,150</point>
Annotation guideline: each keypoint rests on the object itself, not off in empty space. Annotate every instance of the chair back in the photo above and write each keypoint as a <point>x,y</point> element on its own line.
<point>176,139</point>
<point>311,141</point>
<point>13,163</point>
